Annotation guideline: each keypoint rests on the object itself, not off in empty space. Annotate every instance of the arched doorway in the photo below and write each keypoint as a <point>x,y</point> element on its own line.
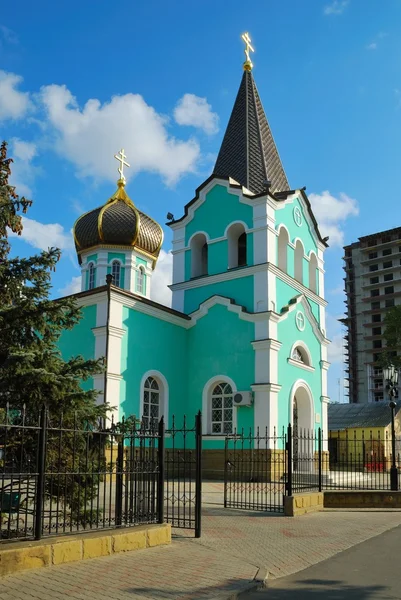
<point>301,417</point>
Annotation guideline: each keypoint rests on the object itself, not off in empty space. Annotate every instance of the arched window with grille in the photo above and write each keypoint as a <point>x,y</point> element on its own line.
<point>116,272</point>
<point>222,411</point>
<point>301,355</point>
<point>141,281</point>
<point>91,276</point>
<point>151,402</point>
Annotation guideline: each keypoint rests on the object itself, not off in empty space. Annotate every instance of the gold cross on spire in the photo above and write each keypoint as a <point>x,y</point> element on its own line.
<point>120,156</point>
<point>248,63</point>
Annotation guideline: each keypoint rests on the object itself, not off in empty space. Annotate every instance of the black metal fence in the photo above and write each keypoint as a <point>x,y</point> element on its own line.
<point>59,477</point>
<point>255,470</point>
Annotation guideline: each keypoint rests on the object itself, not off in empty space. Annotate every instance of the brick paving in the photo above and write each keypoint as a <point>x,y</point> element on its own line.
<point>234,545</point>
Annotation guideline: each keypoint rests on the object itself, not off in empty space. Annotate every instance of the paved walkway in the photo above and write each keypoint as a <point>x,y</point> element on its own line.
<point>368,571</point>
<point>234,546</point>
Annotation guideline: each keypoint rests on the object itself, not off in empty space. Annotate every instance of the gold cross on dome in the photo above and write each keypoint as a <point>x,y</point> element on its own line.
<point>248,47</point>
<point>120,156</point>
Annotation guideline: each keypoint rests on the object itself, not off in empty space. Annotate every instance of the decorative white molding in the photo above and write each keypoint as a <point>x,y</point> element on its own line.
<point>324,399</point>
<point>232,307</point>
<point>244,272</point>
<point>268,344</point>
<point>301,365</point>
<point>148,309</point>
<point>301,383</point>
<point>266,387</point>
<point>325,365</point>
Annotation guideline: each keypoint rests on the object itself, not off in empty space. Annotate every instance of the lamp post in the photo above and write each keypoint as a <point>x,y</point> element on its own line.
<point>391,376</point>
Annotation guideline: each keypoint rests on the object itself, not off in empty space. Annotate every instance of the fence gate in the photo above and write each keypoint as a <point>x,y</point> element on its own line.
<point>255,471</point>
<point>182,471</point>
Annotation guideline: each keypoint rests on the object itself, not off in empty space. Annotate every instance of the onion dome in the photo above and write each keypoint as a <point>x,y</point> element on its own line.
<point>118,223</point>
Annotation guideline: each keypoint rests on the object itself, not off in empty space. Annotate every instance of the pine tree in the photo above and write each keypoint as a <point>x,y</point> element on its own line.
<point>32,370</point>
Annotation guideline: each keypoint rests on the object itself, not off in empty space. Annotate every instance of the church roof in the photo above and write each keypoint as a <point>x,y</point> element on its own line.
<point>248,153</point>
<point>118,223</point>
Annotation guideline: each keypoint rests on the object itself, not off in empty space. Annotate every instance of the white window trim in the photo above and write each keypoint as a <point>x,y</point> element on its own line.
<point>91,264</point>
<point>207,405</point>
<point>301,344</point>
<point>116,260</point>
<point>141,271</point>
<point>164,394</point>
<point>301,365</point>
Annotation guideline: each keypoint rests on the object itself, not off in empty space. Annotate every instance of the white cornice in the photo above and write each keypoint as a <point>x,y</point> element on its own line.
<point>324,399</point>
<point>116,331</point>
<point>266,387</point>
<point>268,344</point>
<point>114,376</point>
<point>325,365</point>
<point>301,365</point>
<point>231,307</point>
<point>245,272</point>
<point>150,310</point>
<point>99,331</point>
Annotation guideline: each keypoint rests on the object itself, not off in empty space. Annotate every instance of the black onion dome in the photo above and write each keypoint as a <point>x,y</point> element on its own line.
<point>118,223</point>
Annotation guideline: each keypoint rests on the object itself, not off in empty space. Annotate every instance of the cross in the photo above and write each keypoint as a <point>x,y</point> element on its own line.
<point>120,157</point>
<point>300,321</point>
<point>247,40</point>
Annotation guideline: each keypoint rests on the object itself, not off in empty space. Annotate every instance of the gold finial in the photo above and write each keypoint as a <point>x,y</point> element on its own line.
<point>248,63</point>
<point>120,156</point>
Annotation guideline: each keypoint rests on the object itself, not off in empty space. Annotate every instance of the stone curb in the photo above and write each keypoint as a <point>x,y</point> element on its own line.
<point>259,582</point>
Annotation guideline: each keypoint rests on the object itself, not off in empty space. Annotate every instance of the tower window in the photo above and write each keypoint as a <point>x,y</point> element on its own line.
<point>312,272</point>
<point>299,259</point>
<point>91,276</point>
<point>199,255</point>
<point>116,272</point>
<point>141,281</point>
<point>283,240</point>
<point>236,238</point>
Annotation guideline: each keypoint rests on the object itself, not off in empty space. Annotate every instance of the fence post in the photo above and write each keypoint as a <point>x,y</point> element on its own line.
<point>319,449</point>
<point>160,484</point>
<point>119,481</point>
<point>289,460</point>
<point>198,475</point>
<point>41,474</point>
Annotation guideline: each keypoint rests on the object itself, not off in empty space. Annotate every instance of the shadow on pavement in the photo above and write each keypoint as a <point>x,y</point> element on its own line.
<point>318,588</point>
<point>229,587</point>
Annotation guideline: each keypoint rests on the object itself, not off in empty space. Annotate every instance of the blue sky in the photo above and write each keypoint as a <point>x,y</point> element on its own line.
<point>79,80</point>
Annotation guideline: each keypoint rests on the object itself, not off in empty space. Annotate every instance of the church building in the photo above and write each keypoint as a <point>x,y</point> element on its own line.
<point>245,340</point>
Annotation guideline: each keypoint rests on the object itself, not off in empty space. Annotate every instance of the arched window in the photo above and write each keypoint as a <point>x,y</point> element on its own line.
<point>116,272</point>
<point>222,412</point>
<point>300,354</point>
<point>151,402</point>
<point>199,255</point>
<point>91,276</point>
<point>299,260</point>
<point>313,272</point>
<point>236,237</point>
<point>141,281</point>
<point>283,240</point>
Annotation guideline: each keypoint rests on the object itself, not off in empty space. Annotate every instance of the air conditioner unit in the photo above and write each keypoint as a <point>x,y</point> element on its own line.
<point>242,399</point>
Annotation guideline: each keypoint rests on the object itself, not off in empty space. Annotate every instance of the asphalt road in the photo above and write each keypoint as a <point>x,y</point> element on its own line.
<point>367,571</point>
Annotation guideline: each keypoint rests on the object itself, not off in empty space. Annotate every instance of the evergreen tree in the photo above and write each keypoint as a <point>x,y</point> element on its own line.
<point>32,370</point>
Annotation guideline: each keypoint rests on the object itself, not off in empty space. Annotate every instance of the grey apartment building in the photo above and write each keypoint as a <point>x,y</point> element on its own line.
<point>372,285</point>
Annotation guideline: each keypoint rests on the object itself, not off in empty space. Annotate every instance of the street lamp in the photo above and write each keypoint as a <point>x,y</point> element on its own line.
<point>390,374</point>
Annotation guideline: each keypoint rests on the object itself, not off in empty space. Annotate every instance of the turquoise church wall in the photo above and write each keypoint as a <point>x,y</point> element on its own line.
<point>152,344</point>
<point>218,210</point>
<point>304,233</point>
<point>241,290</point>
<point>216,351</point>
<point>288,334</point>
<point>80,339</point>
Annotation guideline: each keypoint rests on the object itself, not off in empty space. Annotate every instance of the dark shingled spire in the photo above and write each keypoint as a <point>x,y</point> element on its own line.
<point>248,153</point>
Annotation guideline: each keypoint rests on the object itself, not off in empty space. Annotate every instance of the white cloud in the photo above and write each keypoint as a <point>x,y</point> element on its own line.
<point>44,236</point>
<point>335,350</point>
<point>14,104</point>
<point>195,111</point>
<point>73,287</point>
<point>336,7</point>
<point>8,35</point>
<point>372,46</point>
<point>330,212</point>
<point>161,278</point>
<point>23,172</point>
<point>88,136</point>
<point>337,291</point>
